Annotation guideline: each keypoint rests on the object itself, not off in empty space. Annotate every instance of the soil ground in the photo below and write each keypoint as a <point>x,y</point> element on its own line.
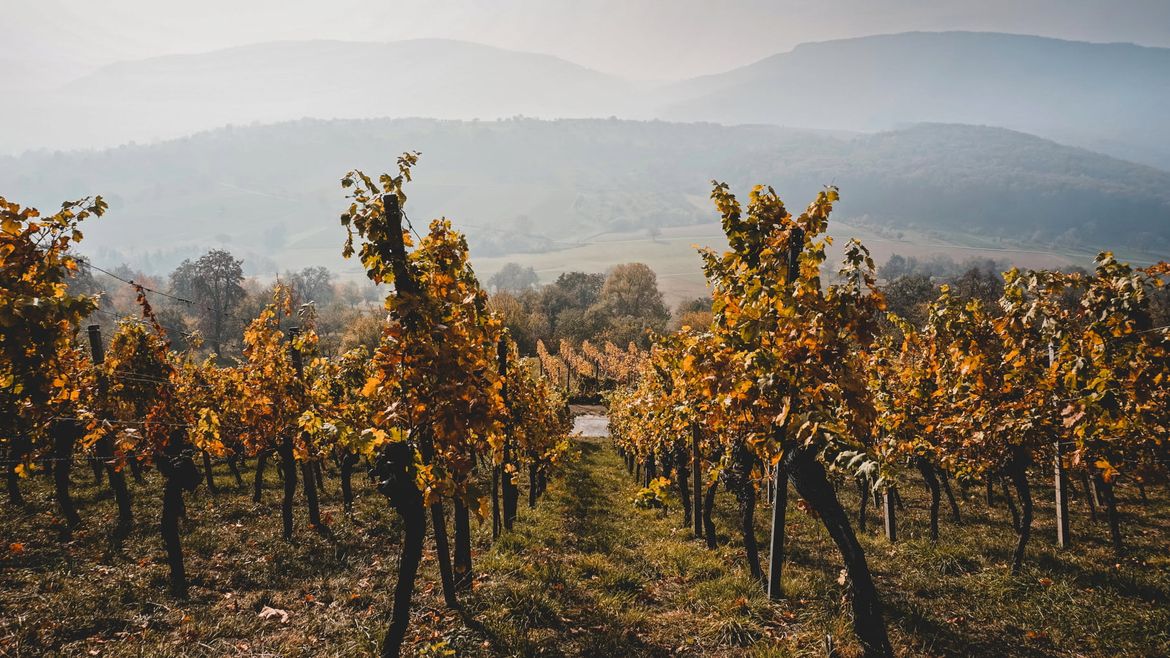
<point>584,574</point>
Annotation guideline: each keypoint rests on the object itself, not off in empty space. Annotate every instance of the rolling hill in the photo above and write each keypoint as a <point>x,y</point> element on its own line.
<point>518,186</point>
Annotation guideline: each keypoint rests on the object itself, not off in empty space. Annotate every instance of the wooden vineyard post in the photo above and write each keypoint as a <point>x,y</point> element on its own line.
<point>1060,482</point>
<point>779,512</point>
<point>891,519</point>
<point>1063,539</point>
<point>495,503</point>
<point>464,573</point>
<point>508,489</point>
<point>779,484</point>
<point>697,481</point>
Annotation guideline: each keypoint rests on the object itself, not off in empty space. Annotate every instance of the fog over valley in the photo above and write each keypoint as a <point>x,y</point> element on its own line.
<point>943,131</point>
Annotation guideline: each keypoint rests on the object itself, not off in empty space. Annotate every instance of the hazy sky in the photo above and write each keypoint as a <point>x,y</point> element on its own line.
<point>635,38</point>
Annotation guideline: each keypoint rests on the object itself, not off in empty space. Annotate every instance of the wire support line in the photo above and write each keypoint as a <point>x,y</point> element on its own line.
<point>136,285</point>
<point>115,316</point>
<point>224,316</point>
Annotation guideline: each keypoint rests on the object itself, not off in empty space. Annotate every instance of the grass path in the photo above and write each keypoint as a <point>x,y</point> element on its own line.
<point>583,574</point>
<point>586,573</point>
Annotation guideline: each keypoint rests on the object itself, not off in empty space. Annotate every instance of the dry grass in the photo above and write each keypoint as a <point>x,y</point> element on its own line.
<point>584,574</point>
<point>79,598</point>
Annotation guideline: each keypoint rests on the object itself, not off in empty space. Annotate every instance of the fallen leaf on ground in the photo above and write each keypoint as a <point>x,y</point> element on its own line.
<point>269,613</point>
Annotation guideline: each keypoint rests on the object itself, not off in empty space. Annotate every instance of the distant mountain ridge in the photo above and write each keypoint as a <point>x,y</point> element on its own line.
<point>175,95</point>
<point>300,69</point>
<point>1111,98</point>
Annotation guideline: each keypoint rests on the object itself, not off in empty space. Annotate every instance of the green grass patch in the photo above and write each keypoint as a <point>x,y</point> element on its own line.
<point>584,574</point>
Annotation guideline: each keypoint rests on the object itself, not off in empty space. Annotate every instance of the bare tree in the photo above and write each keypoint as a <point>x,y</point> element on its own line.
<point>213,285</point>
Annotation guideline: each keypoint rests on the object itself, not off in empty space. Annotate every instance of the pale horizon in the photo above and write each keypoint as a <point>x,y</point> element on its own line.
<point>655,40</point>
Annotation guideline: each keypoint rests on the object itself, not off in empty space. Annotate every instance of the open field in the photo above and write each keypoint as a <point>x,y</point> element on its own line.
<point>673,256</point>
<point>583,574</point>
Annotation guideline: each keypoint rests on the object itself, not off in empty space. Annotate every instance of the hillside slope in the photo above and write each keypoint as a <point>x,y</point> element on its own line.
<point>584,573</point>
<point>528,185</point>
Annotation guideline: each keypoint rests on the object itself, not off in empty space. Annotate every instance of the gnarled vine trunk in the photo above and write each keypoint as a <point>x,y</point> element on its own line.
<point>684,490</point>
<point>258,487</point>
<point>697,476</point>
<point>99,473</point>
<point>17,448</point>
<point>439,527</point>
<point>346,463</point>
<point>708,506</point>
<point>12,479</point>
<point>135,468</point>
<point>739,479</point>
<point>233,462</point>
<point>179,476</point>
<point>946,486</point>
<point>748,526</point>
<point>208,473</point>
<point>1017,472</point>
<point>289,468</point>
<point>1011,505</point>
<point>863,502</point>
<point>1109,499</point>
<point>393,473</point>
<point>807,474</point>
<point>463,572</point>
<point>443,553</point>
<point>496,522</point>
<point>931,480</point>
<point>104,450</point>
<point>65,434</point>
<point>779,518</point>
<point>319,476</point>
<point>311,500</point>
